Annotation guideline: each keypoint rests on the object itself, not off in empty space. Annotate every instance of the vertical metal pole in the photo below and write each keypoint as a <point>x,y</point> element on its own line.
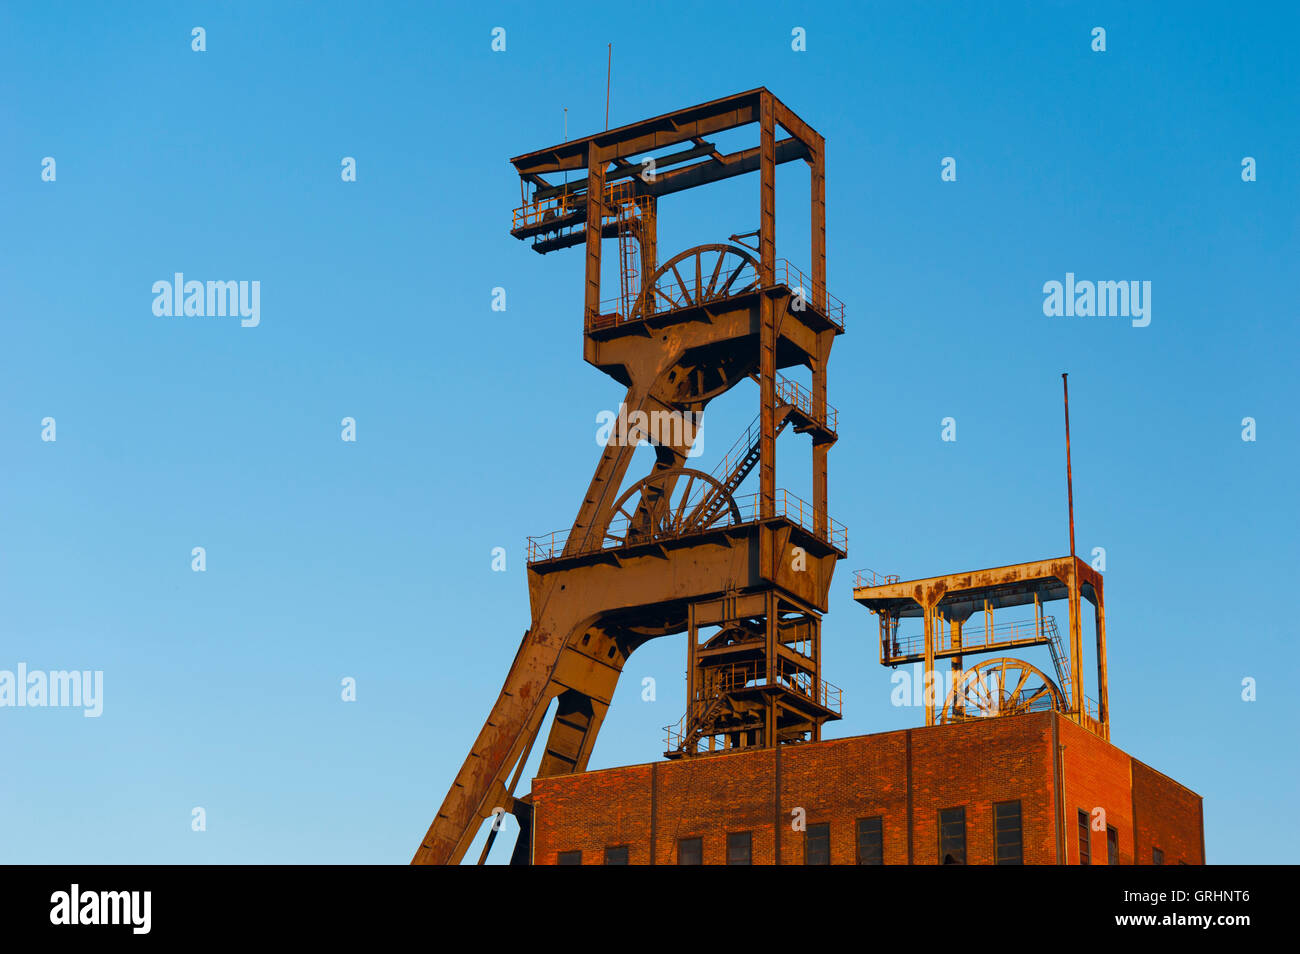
<point>1076,624</point>
<point>817,294</point>
<point>609,72</point>
<point>770,675</point>
<point>958,673</point>
<point>1069,474</point>
<point>819,688</point>
<point>693,688</point>
<point>927,676</point>
<point>767,331</point>
<point>1103,688</point>
<point>595,217</point>
<point>816,298</point>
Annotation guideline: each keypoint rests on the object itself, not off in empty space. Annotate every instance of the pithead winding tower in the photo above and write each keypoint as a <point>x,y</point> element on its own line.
<point>677,550</point>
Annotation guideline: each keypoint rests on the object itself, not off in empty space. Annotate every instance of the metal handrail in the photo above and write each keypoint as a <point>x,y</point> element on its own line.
<point>869,577</point>
<point>564,203</point>
<point>548,546</point>
<point>738,451</point>
<point>746,675</point>
<point>796,395</point>
<point>797,510</point>
<point>974,640</point>
<point>611,310</point>
<point>821,300</point>
<point>543,210</point>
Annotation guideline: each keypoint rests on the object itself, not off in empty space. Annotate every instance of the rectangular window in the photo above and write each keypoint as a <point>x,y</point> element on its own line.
<point>740,848</point>
<point>817,844</point>
<point>569,858</point>
<point>870,843</point>
<point>1007,841</point>
<point>616,855</point>
<point>1112,846</point>
<point>1157,856</point>
<point>952,836</point>
<point>1085,839</point>
<point>690,851</point>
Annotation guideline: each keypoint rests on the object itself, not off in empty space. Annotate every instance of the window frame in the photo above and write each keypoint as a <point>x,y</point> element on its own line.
<point>807,843</point>
<point>878,834</point>
<point>749,846</point>
<point>1085,838</point>
<point>690,839</point>
<point>622,848</point>
<point>1020,833</point>
<point>942,852</point>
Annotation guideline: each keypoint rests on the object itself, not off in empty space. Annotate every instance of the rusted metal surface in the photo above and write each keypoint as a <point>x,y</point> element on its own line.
<point>677,550</point>
<point>948,602</point>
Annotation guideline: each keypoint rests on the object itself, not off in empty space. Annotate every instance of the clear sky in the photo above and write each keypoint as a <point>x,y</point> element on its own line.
<point>372,560</point>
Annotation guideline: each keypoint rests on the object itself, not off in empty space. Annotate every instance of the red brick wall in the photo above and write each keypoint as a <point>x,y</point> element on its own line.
<point>1099,775</point>
<point>696,800</point>
<point>840,781</point>
<point>972,765</point>
<point>1096,776</point>
<point>591,811</point>
<point>1165,815</point>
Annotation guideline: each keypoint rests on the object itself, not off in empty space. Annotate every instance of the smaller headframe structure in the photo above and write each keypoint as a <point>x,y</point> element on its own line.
<point>999,684</point>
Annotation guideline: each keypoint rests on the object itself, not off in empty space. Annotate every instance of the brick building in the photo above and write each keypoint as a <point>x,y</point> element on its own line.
<point>981,791</point>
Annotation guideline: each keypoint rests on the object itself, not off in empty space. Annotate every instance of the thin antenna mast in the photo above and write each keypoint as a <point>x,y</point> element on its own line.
<point>609,72</point>
<point>1069,474</point>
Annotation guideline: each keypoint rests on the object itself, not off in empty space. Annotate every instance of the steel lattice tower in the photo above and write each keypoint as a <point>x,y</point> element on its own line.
<point>677,550</point>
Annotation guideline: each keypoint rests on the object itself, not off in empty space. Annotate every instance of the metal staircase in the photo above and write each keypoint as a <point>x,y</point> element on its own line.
<point>735,467</point>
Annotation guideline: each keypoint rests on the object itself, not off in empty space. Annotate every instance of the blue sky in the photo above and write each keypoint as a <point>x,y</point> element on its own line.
<point>372,559</point>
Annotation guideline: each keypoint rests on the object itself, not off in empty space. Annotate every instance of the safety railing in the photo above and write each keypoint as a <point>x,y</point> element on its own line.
<point>798,511</point>
<point>813,293</point>
<point>678,738</point>
<point>540,211</point>
<point>545,210</point>
<point>868,577</point>
<point>825,694</point>
<point>797,396</point>
<point>743,447</point>
<point>728,679</point>
<point>669,295</point>
<point>548,546</point>
<point>1016,632</point>
<point>981,708</point>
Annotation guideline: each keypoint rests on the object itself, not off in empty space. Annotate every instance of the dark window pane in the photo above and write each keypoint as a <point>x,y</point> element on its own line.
<point>616,856</point>
<point>569,858</point>
<point>870,843</point>
<point>690,851</point>
<point>952,836</point>
<point>817,844</point>
<point>1007,839</point>
<point>1085,839</point>
<point>1157,856</point>
<point>1112,846</point>
<point>739,848</point>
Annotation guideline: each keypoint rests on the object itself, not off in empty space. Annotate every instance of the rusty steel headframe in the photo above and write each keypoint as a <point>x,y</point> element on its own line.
<point>677,550</point>
<point>945,604</point>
